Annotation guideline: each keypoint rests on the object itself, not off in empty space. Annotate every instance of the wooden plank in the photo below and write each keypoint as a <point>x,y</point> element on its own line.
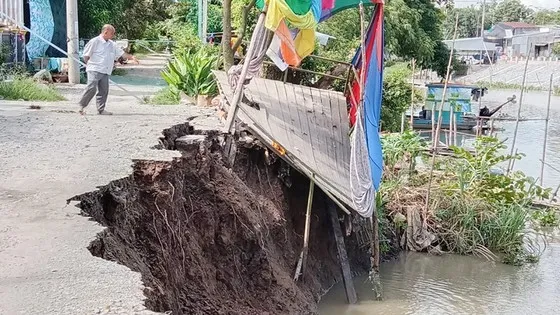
<point>292,122</point>
<point>323,131</point>
<point>287,124</point>
<point>331,125</point>
<point>319,142</point>
<point>302,133</point>
<point>342,254</point>
<point>299,95</point>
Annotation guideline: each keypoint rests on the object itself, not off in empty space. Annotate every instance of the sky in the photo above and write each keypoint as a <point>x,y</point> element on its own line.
<point>543,4</point>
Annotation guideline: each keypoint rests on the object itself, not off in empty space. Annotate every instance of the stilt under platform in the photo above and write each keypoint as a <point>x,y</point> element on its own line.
<point>342,254</point>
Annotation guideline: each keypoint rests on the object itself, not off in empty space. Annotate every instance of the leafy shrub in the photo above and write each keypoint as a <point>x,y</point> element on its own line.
<point>192,73</point>
<point>477,176</point>
<point>402,147</point>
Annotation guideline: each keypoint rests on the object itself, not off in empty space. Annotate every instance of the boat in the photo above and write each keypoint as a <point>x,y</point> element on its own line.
<point>458,98</point>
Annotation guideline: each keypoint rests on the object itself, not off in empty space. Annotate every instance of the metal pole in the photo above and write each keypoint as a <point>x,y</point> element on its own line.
<point>546,127</point>
<point>73,46</point>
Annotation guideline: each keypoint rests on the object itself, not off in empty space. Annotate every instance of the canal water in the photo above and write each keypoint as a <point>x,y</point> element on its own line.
<point>423,284</point>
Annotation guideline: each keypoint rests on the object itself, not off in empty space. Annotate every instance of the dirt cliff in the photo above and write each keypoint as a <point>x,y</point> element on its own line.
<point>209,237</point>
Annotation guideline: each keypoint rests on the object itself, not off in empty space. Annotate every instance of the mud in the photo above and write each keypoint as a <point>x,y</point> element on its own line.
<point>213,238</point>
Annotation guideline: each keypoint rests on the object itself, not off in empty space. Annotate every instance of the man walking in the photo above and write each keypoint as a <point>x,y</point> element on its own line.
<point>100,54</point>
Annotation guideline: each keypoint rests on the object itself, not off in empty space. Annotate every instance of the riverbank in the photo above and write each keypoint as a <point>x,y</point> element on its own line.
<point>210,238</point>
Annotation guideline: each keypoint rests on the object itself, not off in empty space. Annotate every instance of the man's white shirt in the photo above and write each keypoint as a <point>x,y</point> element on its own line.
<point>102,55</point>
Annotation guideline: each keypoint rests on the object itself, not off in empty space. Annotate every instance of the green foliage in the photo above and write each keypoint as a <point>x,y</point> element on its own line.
<point>26,89</point>
<point>477,176</point>
<point>191,72</point>
<point>511,11</point>
<point>131,18</point>
<point>119,71</point>
<point>397,95</point>
<point>165,96</point>
<point>556,49</point>
<point>546,217</point>
<point>473,209</point>
<point>405,147</point>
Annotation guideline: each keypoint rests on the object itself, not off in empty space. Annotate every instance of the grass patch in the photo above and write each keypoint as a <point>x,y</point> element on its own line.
<point>165,96</point>
<point>119,71</point>
<point>508,86</point>
<point>28,90</point>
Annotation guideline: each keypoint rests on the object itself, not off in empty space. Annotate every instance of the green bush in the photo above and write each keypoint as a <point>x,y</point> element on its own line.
<point>28,90</point>
<point>191,72</point>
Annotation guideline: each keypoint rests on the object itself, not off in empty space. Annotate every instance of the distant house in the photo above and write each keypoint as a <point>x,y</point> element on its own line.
<point>515,39</point>
<point>471,46</point>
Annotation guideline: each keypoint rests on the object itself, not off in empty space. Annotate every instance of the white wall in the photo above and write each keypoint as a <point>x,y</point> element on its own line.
<point>14,9</point>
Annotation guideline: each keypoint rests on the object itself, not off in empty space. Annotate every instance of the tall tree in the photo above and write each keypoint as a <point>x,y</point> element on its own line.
<point>511,11</point>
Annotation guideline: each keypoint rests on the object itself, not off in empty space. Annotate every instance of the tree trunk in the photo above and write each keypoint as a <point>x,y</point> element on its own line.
<point>326,82</point>
<point>226,39</point>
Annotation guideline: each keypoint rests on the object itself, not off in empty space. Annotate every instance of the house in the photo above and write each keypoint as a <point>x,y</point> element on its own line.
<point>515,39</point>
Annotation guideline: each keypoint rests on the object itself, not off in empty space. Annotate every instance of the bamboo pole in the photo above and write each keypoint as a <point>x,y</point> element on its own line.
<point>374,221</point>
<point>438,128</point>
<point>403,119</point>
<point>412,96</point>
<point>546,127</point>
<point>510,164</point>
<point>455,131</point>
<point>302,263</point>
<point>232,113</point>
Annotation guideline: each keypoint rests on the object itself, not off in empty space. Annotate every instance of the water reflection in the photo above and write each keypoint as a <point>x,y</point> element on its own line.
<point>423,284</point>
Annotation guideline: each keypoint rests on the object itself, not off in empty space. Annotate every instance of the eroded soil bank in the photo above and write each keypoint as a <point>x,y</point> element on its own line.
<point>213,238</point>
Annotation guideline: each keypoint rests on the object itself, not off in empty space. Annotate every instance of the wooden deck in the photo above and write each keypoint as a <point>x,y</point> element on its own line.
<point>310,124</point>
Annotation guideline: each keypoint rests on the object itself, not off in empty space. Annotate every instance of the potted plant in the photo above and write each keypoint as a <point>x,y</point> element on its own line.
<point>191,73</point>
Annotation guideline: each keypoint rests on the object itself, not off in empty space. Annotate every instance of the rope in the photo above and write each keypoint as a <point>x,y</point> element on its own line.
<point>65,53</point>
<point>362,191</point>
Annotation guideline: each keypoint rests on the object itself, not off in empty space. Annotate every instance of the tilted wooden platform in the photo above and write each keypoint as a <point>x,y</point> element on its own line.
<point>310,124</point>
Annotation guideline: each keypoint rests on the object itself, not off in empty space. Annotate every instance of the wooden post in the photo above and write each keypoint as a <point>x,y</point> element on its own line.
<point>510,166</point>
<point>403,119</point>
<point>240,83</point>
<point>551,87</point>
<point>438,128</point>
<point>342,255</point>
<point>303,257</point>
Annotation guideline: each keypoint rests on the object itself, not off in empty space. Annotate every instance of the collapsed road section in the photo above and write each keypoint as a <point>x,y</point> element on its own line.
<point>211,237</point>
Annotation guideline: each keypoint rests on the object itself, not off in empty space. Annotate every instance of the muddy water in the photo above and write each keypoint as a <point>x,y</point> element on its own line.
<point>424,285</point>
<point>450,284</point>
<point>531,133</point>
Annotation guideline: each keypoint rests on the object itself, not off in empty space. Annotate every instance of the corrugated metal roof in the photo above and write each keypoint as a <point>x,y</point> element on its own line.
<point>517,25</point>
<point>471,44</point>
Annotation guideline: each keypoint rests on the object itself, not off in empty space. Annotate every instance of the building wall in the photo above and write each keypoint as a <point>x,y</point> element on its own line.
<point>521,44</point>
<point>14,9</point>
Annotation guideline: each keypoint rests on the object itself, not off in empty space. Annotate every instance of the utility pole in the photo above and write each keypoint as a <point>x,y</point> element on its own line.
<point>483,17</point>
<point>72,38</point>
<point>202,19</point>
